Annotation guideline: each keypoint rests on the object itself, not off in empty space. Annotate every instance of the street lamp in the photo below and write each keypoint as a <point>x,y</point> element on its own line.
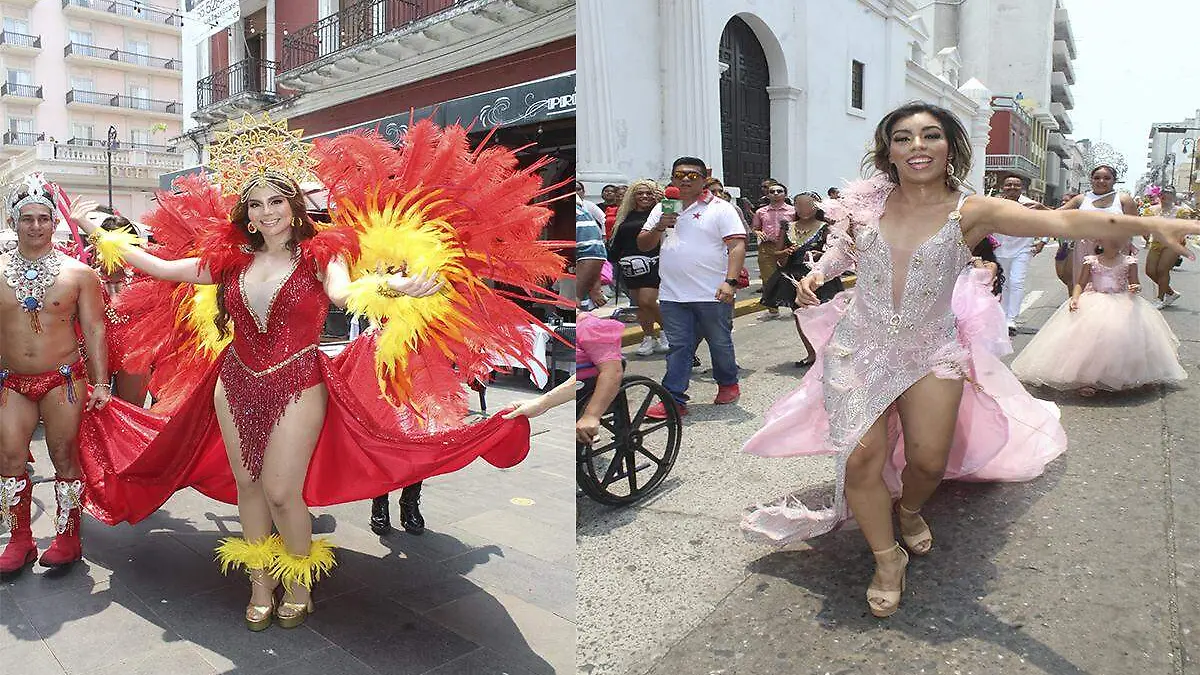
<point>1191,173</point>
<point>112,138</point>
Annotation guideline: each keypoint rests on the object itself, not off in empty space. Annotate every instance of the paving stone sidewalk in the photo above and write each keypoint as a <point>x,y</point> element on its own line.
<point>488,589</point>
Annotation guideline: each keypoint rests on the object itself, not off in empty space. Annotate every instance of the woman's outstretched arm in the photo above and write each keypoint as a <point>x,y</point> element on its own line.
<point>984,215</point>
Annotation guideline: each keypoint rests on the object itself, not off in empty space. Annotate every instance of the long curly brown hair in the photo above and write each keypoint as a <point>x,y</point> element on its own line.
<point>240,217</point>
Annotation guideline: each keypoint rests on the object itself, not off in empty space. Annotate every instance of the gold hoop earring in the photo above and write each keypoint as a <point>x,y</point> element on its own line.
<point>949,168</point>
<point>252,229</point>
<point>296,222</point>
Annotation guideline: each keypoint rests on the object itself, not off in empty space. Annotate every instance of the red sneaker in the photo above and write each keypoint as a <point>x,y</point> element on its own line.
<point>727,393</point>
<point>658,411</point>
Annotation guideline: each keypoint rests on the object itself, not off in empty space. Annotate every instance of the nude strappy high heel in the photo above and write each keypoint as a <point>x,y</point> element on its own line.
<point>885,603</point>
<point>920,543</point>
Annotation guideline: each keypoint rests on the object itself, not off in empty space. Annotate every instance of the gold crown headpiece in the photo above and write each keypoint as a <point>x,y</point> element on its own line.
<point>253,150</point>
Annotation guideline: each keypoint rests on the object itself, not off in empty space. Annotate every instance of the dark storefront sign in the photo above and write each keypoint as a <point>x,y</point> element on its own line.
<point>542,100</point>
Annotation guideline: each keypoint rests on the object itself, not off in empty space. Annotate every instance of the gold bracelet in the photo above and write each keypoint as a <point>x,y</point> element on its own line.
<point>94,237</point>
<point>103,386</point>
<point>387,291</point>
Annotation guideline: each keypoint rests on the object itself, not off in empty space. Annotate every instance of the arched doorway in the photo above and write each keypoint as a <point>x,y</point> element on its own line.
<point>745,109</point>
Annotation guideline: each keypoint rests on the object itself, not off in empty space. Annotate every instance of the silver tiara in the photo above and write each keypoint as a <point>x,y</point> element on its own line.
<point>33,190</point>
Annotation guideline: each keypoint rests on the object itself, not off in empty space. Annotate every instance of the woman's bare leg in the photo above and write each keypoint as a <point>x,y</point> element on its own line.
<point>132,387</point>
<point>252,503</point>
<point>871,503</point>
<point>285,466</point>
<point>1153,257</point>
<point>808,347</point>
<point>647,305</point>
<point>1062,269</point>
<point>928,414</point>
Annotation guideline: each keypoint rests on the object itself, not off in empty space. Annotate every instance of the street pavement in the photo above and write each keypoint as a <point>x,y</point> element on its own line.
<point>1091,568</point>
<point>489,589</point>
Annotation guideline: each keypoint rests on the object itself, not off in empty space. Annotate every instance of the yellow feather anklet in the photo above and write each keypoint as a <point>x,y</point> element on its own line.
<point>304,570</point>
<point>235,552</point>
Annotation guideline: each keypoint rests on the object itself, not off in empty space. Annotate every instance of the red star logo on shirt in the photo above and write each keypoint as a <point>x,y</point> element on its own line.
<point>696,216</point>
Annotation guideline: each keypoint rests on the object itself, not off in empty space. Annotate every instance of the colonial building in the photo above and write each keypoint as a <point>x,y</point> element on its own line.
<point>505,67</point>
<point>85,85</point>
<point>788,90</point>
<point>1023,50</point>
<point>1172,150</point>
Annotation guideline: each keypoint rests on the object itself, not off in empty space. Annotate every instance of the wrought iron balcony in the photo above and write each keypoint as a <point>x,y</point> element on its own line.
<point>22,138</point>
<point>248,79</point>
<point>141,12</point>
<point>126,102</point>
<point>352,26</point>
<point>22,90</point>
<point>132,58</point>
<point>9,38</point>
<point>1016,163</point>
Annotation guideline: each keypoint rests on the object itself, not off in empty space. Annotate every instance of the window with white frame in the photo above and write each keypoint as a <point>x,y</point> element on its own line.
<point>141,49</point>
<point>139,137</point>
<point>82,83</point>
<point>81,37</point>
<point>139,97</point>
<point>857,84</point>
<point>21,125</point>
<point>83,131</point>
<point>15,25</point>
<point>20,76</point>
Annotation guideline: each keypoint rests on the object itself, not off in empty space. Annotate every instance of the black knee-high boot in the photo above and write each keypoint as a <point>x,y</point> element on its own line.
<point>410,511</point>
<point>381,517</point>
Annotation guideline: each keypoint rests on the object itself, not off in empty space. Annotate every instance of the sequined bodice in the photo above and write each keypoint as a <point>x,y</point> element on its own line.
<point>286,320</point>
<point>896,296</point>
<point>1106,279</point>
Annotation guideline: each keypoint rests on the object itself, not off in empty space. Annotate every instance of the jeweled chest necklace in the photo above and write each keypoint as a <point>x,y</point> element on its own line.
<point>30,279</point>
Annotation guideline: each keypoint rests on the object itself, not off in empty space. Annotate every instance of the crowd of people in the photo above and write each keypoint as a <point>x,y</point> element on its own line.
<point>916,344</point>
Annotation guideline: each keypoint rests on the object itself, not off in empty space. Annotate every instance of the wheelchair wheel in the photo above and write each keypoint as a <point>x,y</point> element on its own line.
<point>634,453</point>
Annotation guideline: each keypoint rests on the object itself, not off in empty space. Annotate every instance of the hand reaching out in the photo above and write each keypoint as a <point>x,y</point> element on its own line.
<point>419,286</point>
<point>80,208</point>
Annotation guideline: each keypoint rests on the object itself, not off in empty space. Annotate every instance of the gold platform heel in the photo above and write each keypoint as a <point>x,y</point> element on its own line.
<point>257,558</point>
<point>258,617</point>
<point>300,570</point>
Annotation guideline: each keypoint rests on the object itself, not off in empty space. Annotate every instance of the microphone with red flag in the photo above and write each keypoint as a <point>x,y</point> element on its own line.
<point>671,202</point>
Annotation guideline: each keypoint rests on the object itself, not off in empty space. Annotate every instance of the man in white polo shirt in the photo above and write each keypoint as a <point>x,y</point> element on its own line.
<point>703,248</point>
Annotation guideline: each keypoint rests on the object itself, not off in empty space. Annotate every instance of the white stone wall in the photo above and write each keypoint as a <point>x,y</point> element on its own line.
<point>649,76</point>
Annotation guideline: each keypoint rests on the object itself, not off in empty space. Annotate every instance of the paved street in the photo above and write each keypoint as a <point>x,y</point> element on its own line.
<point>488,589</point>
<point>1089,569</point>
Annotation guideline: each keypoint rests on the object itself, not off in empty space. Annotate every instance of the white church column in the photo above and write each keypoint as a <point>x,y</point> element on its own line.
<point>979,126</point>
<point>691,77</point>
<point>787,138</point>
<point>597,160</point>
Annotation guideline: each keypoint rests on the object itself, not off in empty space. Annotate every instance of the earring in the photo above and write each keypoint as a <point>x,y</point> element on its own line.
<point>949,167</point>
<point>252,229</point>
<point>296,222</point>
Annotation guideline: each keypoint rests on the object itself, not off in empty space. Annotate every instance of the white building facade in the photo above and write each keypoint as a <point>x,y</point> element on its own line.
<point>1172,150</point>
<point>85,84</point>
<point>755,88</point>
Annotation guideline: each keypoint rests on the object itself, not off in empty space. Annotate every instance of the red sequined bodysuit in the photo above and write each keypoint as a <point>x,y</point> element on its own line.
<point>273,358</point>
<point>134,460</point>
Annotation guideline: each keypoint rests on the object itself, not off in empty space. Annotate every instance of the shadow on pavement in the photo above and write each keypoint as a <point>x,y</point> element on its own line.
<point>952,581</point>
<point>142,588</point>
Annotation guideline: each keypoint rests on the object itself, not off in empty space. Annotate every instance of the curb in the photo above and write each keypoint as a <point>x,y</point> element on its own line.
<point>633,334</point>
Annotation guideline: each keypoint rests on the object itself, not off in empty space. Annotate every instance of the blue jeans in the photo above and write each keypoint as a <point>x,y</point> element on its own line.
<point>685,323</point>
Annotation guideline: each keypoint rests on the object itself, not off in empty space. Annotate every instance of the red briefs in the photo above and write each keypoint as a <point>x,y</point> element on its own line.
<point>35,387</point>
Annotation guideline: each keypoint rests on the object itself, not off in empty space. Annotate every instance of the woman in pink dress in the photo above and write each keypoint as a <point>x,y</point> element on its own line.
<point>908,388</point>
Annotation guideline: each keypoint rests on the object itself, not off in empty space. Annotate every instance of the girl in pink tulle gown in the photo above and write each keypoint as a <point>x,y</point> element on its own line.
<point>908,387</point>
<point>1106,337</point>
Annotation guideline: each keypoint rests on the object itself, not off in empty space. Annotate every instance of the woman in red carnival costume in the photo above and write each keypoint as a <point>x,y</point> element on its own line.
<point>255,412</point>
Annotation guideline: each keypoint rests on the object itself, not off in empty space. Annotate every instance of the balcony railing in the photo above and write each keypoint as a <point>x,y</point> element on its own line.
<point>25,90</point>
<point>119,101</point>
<point>251,76</point>
<point>119,145</point>
<point>22,138</point>
<point>1018,163</point>
<point>354,25</point>
<point>20,39</point>
<point>130,10</point>
<point>80,49</point>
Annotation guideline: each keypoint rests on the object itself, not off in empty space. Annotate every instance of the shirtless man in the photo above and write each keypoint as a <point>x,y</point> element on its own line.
<point>43,295</point>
